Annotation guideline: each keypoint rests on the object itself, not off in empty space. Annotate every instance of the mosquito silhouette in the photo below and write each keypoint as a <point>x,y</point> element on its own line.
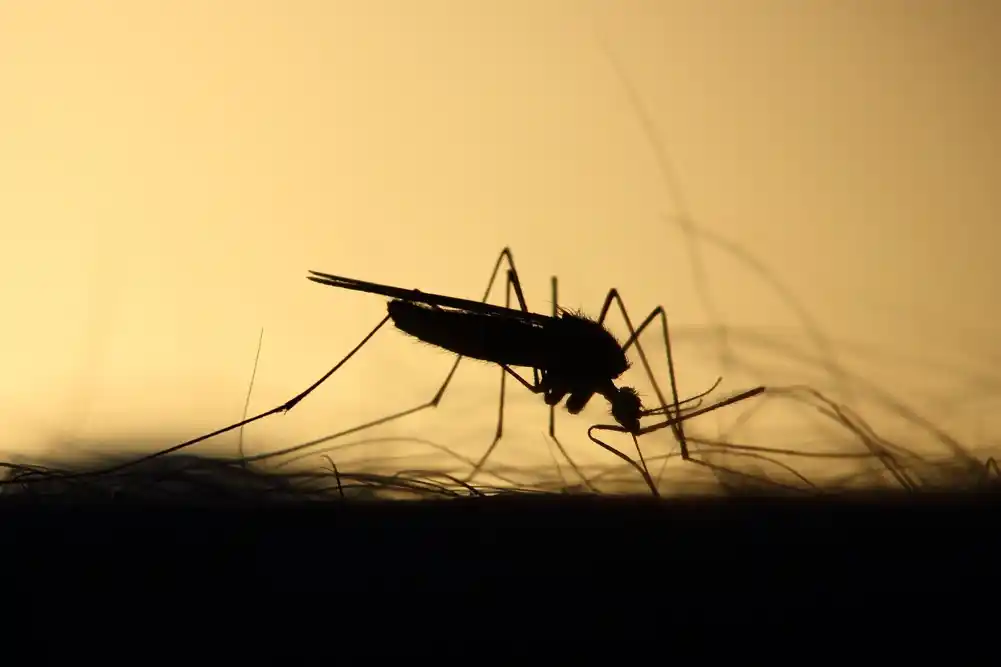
<point>572,357</point>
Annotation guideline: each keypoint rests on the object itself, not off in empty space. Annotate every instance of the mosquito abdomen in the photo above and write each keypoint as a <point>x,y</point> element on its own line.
<point>577,353</point>
<point>476,335</point>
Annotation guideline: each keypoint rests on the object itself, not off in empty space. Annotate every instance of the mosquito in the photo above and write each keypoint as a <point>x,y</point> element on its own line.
<point>572,357</point>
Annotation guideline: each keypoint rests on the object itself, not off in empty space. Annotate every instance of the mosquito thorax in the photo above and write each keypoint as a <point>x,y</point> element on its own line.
<point>586,339</point>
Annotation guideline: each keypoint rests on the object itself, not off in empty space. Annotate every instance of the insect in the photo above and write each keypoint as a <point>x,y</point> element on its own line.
<point>572,357</point>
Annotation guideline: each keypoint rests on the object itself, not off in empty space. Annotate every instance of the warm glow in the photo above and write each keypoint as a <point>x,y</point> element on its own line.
<point>170,171</point>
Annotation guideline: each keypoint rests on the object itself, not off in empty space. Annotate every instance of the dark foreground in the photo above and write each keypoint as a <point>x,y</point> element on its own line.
<point>323,568</point>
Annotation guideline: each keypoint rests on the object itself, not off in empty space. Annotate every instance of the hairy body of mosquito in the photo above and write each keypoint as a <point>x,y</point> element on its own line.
<point>578,357</point>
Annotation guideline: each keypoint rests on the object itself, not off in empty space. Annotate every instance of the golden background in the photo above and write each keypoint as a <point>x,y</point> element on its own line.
<point>169,171</point>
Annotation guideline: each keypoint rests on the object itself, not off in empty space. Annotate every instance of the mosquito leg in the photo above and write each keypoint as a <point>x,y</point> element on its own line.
<point>499,432</point>
<point>514,281</point>
<point>284,407</point>
<point>386,419</point>
<point>634,334</point>
<point>642,469</point>
<point>552,408</point>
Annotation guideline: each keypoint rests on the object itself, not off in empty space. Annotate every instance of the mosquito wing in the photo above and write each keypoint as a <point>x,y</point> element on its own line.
<point>417,296</point>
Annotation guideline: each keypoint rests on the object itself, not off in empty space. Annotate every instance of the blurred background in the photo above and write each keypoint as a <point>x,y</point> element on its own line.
<point>809,189</point>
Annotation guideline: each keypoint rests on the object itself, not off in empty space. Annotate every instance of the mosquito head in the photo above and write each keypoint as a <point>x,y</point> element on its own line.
<point>626,407</point>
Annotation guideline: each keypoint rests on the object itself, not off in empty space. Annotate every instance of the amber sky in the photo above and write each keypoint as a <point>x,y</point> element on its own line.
<point>169,171</point>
